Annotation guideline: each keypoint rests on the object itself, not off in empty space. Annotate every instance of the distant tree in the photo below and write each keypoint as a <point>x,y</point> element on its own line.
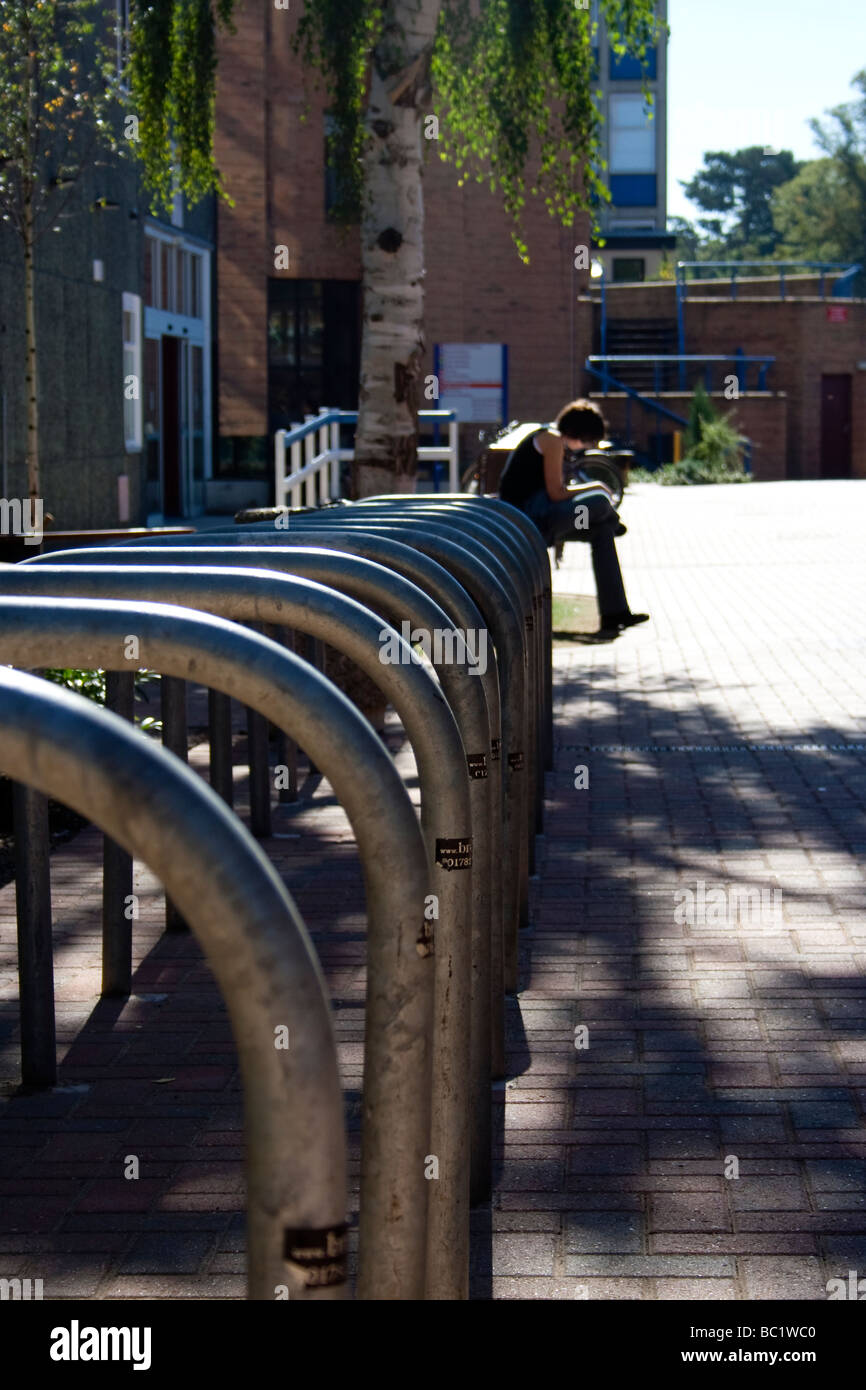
<point>58,87</point>
<point>821,214</point>
<point>734,191</point>
<point>691,246</point>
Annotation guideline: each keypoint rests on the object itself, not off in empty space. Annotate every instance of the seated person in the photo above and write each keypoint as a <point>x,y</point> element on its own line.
<point>532,480</point>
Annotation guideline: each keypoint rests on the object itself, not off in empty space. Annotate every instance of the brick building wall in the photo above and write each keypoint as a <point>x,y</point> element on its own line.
<point>270,149</point>
<point>802,332</point>
<point>760,416</point>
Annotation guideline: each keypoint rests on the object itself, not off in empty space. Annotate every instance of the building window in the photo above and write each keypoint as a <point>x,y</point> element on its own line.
<point>314,334</point>
<point>632,68</point>
<point>628,269</point>
<point>132,382</point>
<point>173,277</point>
<point>632,136</point>
<point>633,190</point>
<point>195,294</point>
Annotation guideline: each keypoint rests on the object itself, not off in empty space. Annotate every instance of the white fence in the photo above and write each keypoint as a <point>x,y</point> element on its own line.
<point>313,454</point>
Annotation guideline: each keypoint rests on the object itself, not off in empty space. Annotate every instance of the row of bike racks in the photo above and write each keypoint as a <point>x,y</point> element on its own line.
<point>352,576</point>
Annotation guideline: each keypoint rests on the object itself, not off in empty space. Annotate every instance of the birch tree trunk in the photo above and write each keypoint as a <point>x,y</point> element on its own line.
<point>392,251</point>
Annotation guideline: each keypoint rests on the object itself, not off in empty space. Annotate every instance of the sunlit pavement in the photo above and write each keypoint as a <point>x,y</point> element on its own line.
<point>725,748</point>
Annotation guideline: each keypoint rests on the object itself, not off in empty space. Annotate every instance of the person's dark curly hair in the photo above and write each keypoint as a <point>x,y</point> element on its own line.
<point>581,420</point>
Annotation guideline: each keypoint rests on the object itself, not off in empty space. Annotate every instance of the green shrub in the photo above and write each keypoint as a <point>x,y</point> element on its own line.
<point>702,412</point>
<point>91,684</point>
<point>714,450</point>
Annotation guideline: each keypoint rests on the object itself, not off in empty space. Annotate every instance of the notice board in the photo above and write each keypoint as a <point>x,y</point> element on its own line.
<point>473,381</point>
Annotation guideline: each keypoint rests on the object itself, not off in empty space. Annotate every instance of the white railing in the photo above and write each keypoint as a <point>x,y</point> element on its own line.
<point>313,454</point>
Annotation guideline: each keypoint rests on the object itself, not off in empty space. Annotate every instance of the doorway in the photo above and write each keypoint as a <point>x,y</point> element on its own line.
<point>175,429</point>
<point>836,426</point>
<point>172,503</point>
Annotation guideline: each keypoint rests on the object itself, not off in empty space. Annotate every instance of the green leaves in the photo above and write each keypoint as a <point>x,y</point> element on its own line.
<point>338,38</point>
<point>57,95</point>
<point>515,86</point>
<point>91,684</point>
<point>172,86</point>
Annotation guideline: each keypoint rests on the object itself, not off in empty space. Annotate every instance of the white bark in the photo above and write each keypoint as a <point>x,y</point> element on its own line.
<point>392,250</point>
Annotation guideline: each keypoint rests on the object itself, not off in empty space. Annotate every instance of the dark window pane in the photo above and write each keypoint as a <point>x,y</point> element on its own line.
<point>632,69</point>
<point>628,268</point>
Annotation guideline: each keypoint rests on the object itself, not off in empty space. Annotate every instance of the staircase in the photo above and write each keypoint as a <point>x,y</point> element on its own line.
<point>644,338</point>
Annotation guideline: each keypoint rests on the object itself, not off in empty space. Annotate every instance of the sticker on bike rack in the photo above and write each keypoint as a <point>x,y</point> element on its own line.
<point>495,750</point>
<point>319,1255</point>
<point>477,764</point>
<point>454,854</point>
<point>424,943</point>
<point>515,761</point>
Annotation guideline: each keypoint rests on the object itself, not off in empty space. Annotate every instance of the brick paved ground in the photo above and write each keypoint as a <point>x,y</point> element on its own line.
<point>726,1035</point>
<point>729,1035</point>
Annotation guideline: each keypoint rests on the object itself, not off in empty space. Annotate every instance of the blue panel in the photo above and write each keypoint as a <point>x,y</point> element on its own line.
<point>632,69</point>
<point>633,190</point>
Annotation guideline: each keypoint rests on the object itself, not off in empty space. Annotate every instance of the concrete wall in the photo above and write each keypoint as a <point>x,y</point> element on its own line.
<point>80,358</point>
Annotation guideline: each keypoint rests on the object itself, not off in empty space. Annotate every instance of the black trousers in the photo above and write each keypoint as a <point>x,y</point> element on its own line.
<point>587,515</point>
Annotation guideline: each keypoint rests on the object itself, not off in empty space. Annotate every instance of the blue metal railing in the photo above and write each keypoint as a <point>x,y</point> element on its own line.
<point>610,383</point>
<point>654,406</point>
<point>682,360</point>
<point>843,286</point>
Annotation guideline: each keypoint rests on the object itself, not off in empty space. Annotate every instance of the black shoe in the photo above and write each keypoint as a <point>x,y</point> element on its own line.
<point>614,623</point>
<point>620,529</point>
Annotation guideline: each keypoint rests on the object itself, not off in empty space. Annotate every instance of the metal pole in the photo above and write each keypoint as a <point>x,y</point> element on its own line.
<point>443,767</point>
<point>514,565</point>
<point>475,700</point>
<point>508,635</point>
<point>286,690</point>
<point>287,749</point>
<point>35,949</point>
<point>521,532</point>
<point>507,625</point>
<point>117,868</point>
<point>220,733</point>
<point>174,738</point>
<point>253,938</point>
<point>260,775</point>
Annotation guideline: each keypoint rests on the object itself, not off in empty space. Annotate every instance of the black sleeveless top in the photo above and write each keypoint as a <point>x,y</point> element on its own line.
<point>523,474</point>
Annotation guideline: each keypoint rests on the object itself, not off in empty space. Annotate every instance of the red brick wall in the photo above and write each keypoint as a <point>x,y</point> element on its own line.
<point>761,418</point>
<point>242,232</point>
<point>797,332</point>
<point>477,289</point>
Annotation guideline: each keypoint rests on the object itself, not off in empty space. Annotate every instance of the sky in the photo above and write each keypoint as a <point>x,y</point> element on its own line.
<point>752,72</point>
